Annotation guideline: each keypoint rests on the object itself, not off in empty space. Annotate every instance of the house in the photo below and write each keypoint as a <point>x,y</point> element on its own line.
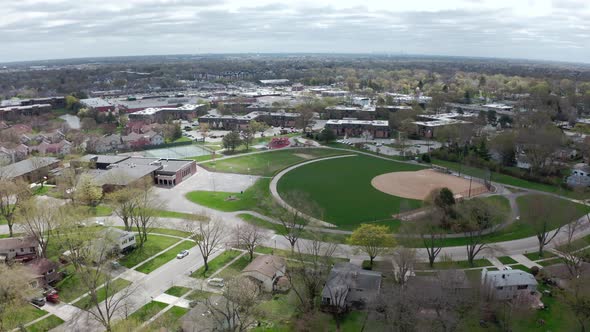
<point>61,148</point>
<point>30,170</point>
<point>580,176</point>
<point>507,284</point>
<point>348,285</point>
<point>18,249</point>
<point>44,271</point>
<point>107,143</point>
<point>352,127</point>
<point>266,270</point>
<point>13,154</point>
<point>123,241</point>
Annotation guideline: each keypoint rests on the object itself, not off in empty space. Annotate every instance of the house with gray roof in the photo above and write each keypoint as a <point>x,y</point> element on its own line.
<point>348,286</point>
<point>30,170</point>
<point>507,284</point>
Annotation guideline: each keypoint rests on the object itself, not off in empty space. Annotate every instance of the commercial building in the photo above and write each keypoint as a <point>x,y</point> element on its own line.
<point>13,112</point>
<point>280,81</point>
<point>98,104</point>
<point>353,127</point>
<point>240,122</point>
<point>430,123</point>
<point>162,114</point>
<point>30,170</point>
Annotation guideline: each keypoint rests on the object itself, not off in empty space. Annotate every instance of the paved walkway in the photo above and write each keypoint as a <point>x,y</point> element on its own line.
<point>173,300</point>
<point>523,260</point>
<point>496,263</point>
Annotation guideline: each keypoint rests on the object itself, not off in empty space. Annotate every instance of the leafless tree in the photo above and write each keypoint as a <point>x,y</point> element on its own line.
<point>249,237</point>
<point>15,290</point>
<point>577,298</point>
<point>236,311</point>
<point>307,279</point>
<point>543,214</point>
<point>475,217</point>
<point>38,219</point>
<point>12,195</point>
<point>124,203</point>
<point>404,260</point>
<point>209,236</point>
<point>432,236</point>
<point>144,215</point>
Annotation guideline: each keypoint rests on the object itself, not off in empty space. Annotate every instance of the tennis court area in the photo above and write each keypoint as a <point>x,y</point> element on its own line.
<point>184,151</point>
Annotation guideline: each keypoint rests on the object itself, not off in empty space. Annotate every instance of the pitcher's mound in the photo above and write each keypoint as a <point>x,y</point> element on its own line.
<point>417,185</point>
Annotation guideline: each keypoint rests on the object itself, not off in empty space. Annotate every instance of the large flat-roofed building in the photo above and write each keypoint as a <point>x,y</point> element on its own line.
<point>99,104</point>
<point>30,170</point>
<point>113,172</point>
<point>13,112</point>
<point>429,123</point>
<point>280,81</point>
<point>354,127</point>
<point>187,112</point>
<point>240,122</point>
<point>347,111</point>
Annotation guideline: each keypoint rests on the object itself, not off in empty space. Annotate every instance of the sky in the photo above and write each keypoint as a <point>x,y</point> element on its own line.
<point>530,29</point>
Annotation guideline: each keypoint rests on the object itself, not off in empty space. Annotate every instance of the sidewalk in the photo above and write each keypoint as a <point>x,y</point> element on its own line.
<point>523,260</point>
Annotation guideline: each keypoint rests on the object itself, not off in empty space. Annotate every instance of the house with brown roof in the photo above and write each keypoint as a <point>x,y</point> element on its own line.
<point>43,271</point>
<point>18,249</point>
<point>266,270</point>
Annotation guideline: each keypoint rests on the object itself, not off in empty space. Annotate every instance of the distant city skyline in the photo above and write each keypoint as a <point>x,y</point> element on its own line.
<point>555,30</point>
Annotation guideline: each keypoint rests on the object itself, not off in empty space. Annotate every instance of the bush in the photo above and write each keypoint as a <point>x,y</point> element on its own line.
<point>535,270</point>
<point>426,158</point>
<point>367,265</point>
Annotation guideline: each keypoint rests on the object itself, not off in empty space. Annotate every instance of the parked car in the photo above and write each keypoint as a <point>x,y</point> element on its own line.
<point>38,301</point>
<point>216,282</point>
<point>182,254</point>
<point>51,295</point>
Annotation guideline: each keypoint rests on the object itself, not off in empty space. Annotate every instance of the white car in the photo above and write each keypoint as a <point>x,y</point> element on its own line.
<point>216,282</point>
<point>182,254</point>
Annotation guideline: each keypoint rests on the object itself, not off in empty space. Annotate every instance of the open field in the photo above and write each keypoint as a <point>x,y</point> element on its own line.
<point>417,185</point>
<point>345,193</point>
<point>267,163</point>
<point>219,200</point>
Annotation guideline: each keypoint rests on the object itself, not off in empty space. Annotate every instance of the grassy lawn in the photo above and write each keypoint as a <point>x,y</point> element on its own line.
<point>534,256</point>
<point>71,288</point>
<point>24,315</point>
<point>576,244</point>
<point>287,254</point>
<point>170,320</point>
<point>216,264</point>
<point>168,231</point>
<point>148,311</point>
<point>46,324</point>
<point>205,157</point>
<point>268,163</point>
<point>506,260</point>
<point>39,191</point>
<point>520,267</point>
<point>551,261</point>
<point>164,258</point>
<point>154,245</point>
<point>219,200</point>
<point>454,265</point>
<point>279,229</point>
<point>116,286</point>
<point>100,211</point>
<point>344,192</point>
<point>198,295</point>
<point>177,291</point>
<point>507,179</point>
<point>173,214</point>
<point>235,268</point>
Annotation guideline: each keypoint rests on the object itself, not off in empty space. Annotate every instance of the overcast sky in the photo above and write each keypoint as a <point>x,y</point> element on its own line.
<point>533,29</point>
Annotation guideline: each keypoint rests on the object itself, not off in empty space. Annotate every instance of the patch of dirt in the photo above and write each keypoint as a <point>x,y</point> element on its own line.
<point>417,185</point>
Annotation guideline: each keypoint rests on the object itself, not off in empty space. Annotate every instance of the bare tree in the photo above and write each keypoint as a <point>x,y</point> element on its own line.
<point>308,278</point>
<point>404,260</point>
<point>544,214</point>
<point>209,236</point>
<point>124,203</point>
<point>144,215</point>
<point>249,237</point>
<point>475,217</point>
<point>12,196</point>
<point>15,290</point>
<point>236,311</point>
<point>432,236</point>
<point>577,298</point>
<point>91,251</point>
<point>38,219</point>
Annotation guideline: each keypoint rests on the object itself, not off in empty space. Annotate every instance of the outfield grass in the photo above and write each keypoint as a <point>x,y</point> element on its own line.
<point>219,200</point>
<point>153,245</point>
<point>342,188</point>
<point>267,163</point>
<point>216,264</point>
<point>177,291</point>
<point>116,286</point>
<point>156,262</point>
<point>46,324</point>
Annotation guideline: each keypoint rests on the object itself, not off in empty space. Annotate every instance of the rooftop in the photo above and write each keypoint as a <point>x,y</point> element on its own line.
<point>380,123</point>
<point>95,102</point>
<point>267,265</point>
<point>26,166</point>
<point>508,278</point>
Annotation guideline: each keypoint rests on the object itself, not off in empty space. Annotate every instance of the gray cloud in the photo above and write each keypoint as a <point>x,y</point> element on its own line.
<point>68,28</point>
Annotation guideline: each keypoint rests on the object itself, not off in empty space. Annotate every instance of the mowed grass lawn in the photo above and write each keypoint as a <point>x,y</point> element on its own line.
<point>45,324</point>
<point>153,245</point>
<point>219,200</point>
<point>267,163</point>
<point>101,294</point>
<point>342,188</point>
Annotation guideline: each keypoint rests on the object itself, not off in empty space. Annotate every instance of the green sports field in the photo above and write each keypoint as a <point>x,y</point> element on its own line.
<point>342,187</point>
